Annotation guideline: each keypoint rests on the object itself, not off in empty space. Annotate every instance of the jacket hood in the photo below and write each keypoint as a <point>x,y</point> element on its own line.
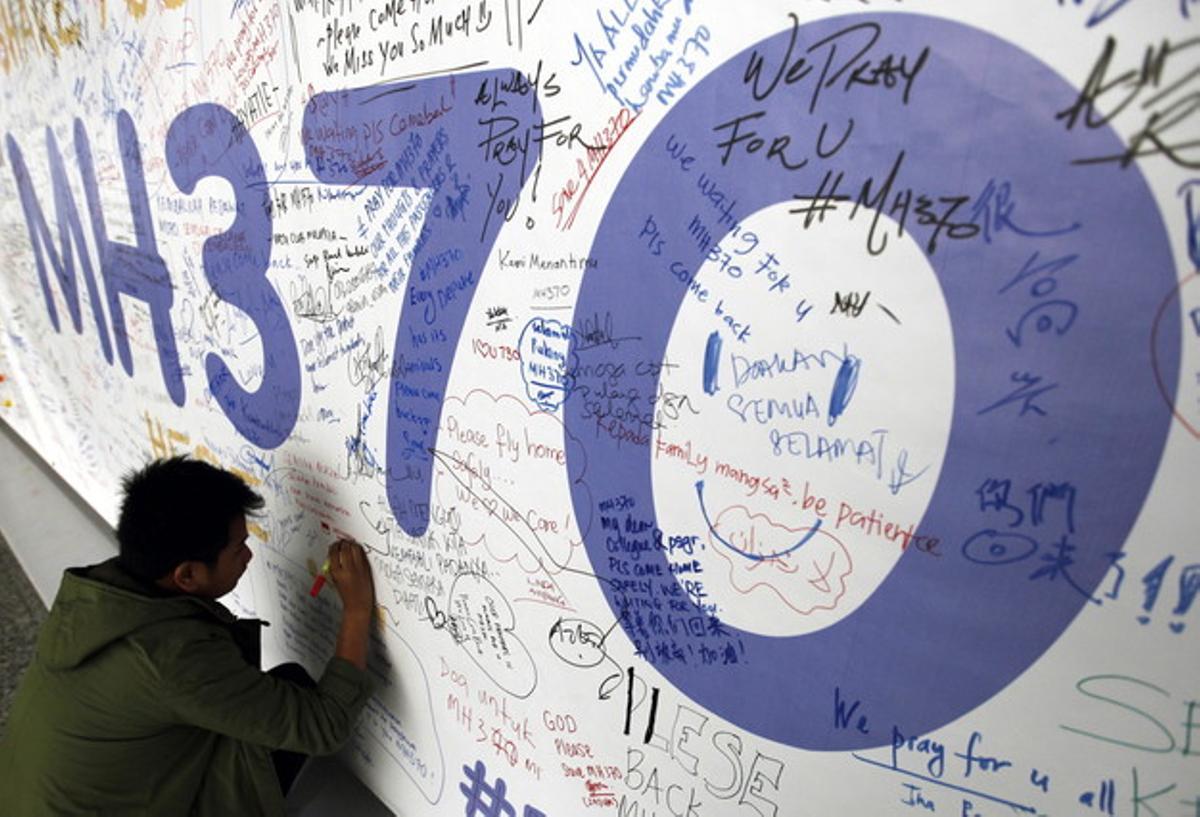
<point>98,605</point>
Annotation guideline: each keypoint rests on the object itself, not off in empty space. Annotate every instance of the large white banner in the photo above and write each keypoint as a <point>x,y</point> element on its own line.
<point>749,408</point>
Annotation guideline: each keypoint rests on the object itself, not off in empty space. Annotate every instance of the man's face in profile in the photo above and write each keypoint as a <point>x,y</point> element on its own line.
<point>231,562</point>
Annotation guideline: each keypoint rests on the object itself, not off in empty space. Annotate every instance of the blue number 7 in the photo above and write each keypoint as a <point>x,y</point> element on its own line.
<point>386,135</point>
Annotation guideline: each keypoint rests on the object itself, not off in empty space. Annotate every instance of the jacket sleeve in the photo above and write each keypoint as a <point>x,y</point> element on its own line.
<point>207,683</point>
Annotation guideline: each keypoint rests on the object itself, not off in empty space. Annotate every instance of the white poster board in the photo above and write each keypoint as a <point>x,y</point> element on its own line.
<point>749,409</point>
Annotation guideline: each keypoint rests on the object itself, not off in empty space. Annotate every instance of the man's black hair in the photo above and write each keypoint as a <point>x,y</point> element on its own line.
<point>177,510</point>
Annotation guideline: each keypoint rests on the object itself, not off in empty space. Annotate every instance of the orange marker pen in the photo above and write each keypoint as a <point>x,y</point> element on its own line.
<point>319,582</point>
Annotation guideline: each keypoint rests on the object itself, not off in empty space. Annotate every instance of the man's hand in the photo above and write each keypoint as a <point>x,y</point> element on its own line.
<point>351,574</point>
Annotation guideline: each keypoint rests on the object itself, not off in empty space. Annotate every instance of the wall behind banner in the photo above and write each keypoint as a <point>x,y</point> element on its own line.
<point>771,413</point>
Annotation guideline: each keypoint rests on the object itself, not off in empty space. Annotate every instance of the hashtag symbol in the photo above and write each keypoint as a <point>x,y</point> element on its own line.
<point>482,799</point>
<point>825,200</point>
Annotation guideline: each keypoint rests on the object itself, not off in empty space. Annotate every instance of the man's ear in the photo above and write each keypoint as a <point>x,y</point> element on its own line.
<point>188,577</point>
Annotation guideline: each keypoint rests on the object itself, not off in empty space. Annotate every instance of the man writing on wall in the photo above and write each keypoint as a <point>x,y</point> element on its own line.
<point>145,694</point>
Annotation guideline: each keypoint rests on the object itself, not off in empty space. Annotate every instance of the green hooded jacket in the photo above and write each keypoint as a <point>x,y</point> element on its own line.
<point>142,703</point>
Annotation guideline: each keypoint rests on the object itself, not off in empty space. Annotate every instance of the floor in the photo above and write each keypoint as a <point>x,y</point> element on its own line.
<point>21,612</point>
<point>44,528</point>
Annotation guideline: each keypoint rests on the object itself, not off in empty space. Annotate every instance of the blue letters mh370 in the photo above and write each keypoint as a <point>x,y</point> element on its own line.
<point>207,140</point>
